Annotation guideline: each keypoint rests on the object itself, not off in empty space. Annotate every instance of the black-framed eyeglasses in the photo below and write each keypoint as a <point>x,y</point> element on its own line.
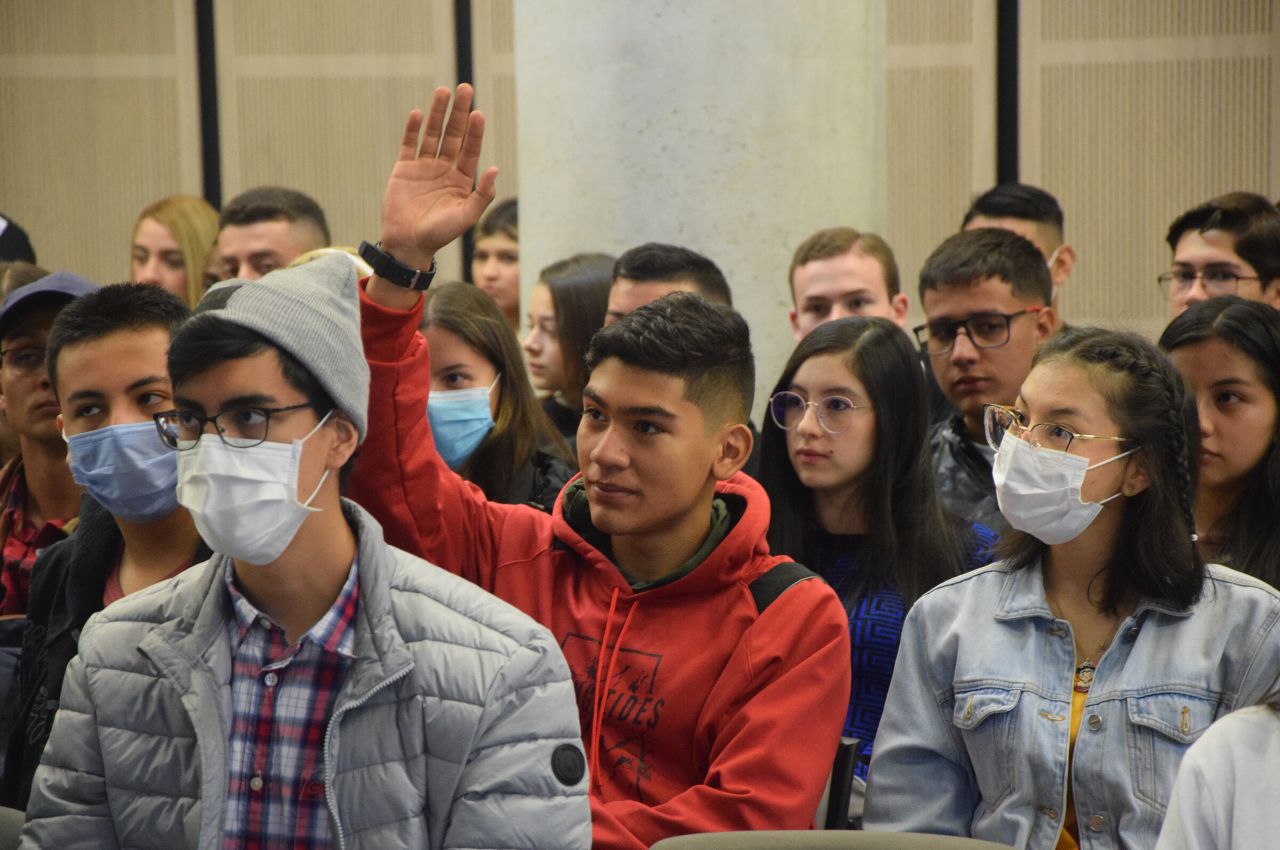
<point>985,330</point>
<point>1217,281</point>
<point>999,420</point>
<point>24,358</point>
<point>835,412</point>
<point>238,427</point>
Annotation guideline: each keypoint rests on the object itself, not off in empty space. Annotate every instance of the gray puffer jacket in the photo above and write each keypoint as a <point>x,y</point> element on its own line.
<point>456,726</point>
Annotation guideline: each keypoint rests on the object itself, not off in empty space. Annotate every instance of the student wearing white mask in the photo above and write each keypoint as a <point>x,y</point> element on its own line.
<point>1046,701</point>
<point>309,685</point>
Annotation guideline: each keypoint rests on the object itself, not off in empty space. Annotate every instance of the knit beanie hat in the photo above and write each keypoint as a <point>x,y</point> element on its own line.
<point>311,311</point>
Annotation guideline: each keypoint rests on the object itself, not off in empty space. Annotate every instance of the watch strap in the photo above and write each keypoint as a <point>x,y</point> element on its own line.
<point>392,270</point>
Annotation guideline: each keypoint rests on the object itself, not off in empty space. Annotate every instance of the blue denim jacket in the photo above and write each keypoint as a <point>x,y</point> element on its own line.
<point>974,738</point>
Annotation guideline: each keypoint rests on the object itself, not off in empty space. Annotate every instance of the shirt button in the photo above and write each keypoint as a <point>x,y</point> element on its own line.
<point>255,783</point>
<point>1051,814</point>
<point>1095,722</point>
<point>1097,823</point>
<point>270,680</point>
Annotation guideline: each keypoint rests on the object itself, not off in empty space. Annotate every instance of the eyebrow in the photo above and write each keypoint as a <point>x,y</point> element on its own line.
<point>1231,382</point>
<point>645,410</point>
<point>440,370</point>
<point>82,395</point>
<point>252,400</point>
<point>842,390</point>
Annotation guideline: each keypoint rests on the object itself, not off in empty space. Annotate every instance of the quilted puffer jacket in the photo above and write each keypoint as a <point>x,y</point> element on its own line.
<point>456,726</point>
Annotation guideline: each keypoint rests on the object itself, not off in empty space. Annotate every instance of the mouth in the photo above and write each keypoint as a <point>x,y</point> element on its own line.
<point>601,492</point>
<point>969,384</point>
<point>807,456</point>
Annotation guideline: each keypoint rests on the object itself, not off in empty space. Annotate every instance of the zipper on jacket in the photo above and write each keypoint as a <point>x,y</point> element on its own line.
<point>329,767</point>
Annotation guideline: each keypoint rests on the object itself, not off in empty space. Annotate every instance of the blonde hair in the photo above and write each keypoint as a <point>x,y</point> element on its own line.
<point>194,226</point>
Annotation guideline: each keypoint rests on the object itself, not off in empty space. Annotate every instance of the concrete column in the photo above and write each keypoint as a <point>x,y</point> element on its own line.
<point>733,127</point>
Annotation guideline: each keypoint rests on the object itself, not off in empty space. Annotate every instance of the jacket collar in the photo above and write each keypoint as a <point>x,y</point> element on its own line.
<point>1022,596</point>
<point>199,630</point>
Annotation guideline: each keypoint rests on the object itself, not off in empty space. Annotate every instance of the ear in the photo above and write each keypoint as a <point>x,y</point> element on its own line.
<point>347,438</point>
<point>1063,265</point>
<point>734,450</point>
<point>1046,319</point>
<point>1136,478</point>
<point>57,420</point>
<point>795,326</point>
<point>1271,293</point>
<point>900,304</point>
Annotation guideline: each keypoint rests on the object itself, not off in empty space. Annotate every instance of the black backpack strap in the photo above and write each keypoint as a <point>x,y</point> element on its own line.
<point>775,582</point>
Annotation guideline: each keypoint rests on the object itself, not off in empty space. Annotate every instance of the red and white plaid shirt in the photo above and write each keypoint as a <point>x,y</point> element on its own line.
<point>281,700</point>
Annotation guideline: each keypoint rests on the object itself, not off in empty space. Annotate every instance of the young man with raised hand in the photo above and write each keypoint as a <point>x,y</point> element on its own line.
<point>986,295</point>
<point>309,685</point>
<point>712,677</point>
<point>107,364</point>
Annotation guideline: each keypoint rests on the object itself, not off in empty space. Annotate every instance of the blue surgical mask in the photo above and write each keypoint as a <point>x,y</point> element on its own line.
<point>126,469</point>
<point>460,420</point>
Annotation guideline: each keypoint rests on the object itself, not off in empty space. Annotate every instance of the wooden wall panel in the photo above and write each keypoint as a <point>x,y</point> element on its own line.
<point>314,95</point>
<point>100,118</point>
<point>940,123</point>
<point>493,42</point>
<point>1131,114</point>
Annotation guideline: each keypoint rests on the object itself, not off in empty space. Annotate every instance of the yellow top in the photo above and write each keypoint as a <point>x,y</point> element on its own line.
<point>1069,838</point>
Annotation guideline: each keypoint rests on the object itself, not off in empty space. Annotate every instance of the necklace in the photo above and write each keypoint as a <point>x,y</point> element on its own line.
<point>1085,668</point>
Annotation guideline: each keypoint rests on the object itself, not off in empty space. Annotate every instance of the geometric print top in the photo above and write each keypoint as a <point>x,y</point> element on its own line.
<point>281,700</point>
<point>875,626</point>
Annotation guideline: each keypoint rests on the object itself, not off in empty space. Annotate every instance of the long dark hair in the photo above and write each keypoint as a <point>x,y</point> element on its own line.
<point>913,543</point>
<point>1154,554</point>
<point>579,288</point>
<point>1249,530</point>
<point>520,426</point>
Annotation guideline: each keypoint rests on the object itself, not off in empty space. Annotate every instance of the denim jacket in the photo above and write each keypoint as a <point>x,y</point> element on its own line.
<point>974,739</point>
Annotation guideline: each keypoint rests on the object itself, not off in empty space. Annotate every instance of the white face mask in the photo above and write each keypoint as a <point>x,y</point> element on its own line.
<point>245,501</point>
<point>1039,490</point>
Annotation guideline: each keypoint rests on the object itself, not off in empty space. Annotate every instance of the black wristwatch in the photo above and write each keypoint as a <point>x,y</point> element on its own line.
<point>392,270</point>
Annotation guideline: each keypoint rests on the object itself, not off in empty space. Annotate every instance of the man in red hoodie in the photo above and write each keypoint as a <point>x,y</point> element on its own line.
<point>712,677</point>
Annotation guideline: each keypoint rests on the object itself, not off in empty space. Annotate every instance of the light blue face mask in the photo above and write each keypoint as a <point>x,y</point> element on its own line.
<point>127,470</point>
<point>460,420</point>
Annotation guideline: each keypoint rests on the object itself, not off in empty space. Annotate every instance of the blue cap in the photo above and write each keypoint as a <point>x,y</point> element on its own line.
<point>59,286</point>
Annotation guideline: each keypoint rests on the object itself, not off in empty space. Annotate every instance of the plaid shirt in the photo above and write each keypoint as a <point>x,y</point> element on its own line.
<point>281,700</point>
<point>23,543</point>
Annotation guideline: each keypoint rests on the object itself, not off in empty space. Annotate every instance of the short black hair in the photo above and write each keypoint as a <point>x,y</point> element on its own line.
<point>1253,222</point>
<point>656,262</point>
<point>970,256</point>
<point>686,336</point>
<point>1017,200</point>
<point>272,203</point>
<point>111,309</point>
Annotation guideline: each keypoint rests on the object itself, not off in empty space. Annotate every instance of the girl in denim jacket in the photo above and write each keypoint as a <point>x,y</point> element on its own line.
<point>1045,701</point>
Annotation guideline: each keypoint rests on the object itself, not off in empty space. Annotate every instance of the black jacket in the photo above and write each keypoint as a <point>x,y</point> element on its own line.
<point>66,589</point>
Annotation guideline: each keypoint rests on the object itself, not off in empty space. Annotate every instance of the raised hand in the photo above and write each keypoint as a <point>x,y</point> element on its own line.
<point>430,199</point>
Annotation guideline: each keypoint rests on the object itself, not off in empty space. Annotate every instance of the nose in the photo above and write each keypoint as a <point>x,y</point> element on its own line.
<point>489,268</point>
<point>1204,409</point>
<point>532,345</point>
<point>809,424</point>
<point>608,450</point>
<point>839,311</point>
<point>149,272</point>
<point>1196,293</point>
<point>962,349</point>
<point>245,271</point>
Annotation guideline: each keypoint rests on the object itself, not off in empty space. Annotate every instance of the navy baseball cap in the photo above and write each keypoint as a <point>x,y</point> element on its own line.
<point>62,287</point>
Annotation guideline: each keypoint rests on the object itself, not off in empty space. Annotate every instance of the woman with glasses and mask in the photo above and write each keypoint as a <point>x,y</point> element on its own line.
<point>846,465</point>
<point>1046,701</point>
<point>1228,349</point>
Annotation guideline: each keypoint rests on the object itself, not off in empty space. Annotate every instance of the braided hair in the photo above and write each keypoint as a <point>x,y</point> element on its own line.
<point>1154,554</point>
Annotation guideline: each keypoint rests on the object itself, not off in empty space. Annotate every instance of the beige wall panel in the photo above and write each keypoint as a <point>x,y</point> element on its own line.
<point>940,124</point>
<point>313,95</point>
<point>100,118</point>
<point>929,118</point>
<point>1109,19</point>
<point>77,27</point>
<point>1139,153</point>
<point>1132,113</point>
<point>75,177</point>
<point>931,21</point>
<point>493,43</point>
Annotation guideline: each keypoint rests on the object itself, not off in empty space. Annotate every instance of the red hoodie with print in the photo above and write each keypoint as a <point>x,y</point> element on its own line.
<point>715,714</point>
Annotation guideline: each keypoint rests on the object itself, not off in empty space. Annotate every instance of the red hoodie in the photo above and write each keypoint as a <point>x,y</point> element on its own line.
<point>717,715</point>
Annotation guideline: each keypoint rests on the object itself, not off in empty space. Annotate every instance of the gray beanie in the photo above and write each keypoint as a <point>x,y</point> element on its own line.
<point>311,311</point>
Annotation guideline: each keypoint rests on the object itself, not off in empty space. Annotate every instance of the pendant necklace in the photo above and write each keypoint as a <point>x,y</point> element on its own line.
<point>1086,668</point>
